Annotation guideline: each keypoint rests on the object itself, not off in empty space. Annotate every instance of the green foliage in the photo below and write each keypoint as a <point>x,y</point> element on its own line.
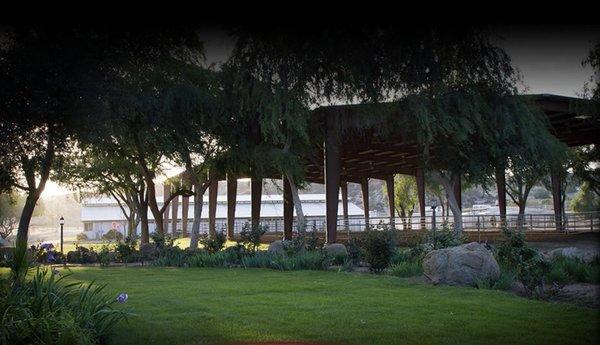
<point>407,269</point>
<point>565,270</point>
<point>46,310</point>
<point>106,255</point>
<point>444,237</point>
<point>220,259</point>
<point>126,250</point>
<point>586,200</point>
<point>504,282</point>
<point>378,245</point>
<point>112,235</point>
<point>405,197</point>
<point>213,245</point>
<point>308,260</point>
<point>162,241</point>
<point>82,255</point>
<point>355,251</point>
<point>250,236</point>
<point>82,236</point>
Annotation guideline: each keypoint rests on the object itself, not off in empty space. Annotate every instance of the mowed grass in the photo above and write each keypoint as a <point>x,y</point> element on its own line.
<point>197,306</point>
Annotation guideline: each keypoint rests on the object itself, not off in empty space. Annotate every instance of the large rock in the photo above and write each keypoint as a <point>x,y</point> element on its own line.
<point>335,249</point>
<point>277,247</point>
<point>586,255</point>
<point>461,265</point>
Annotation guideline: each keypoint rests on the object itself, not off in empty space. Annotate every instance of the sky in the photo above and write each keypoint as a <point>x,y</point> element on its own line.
<point>548,57</point>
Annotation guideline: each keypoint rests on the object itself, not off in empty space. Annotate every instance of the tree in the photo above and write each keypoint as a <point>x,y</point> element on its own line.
<point>524,175</point>
<point>10,205</point>
<point>40,75</point>
<point>405,198</point>
<point>585,200</point>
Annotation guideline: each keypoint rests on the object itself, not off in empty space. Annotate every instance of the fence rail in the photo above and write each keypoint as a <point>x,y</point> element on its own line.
<point>569,222</point>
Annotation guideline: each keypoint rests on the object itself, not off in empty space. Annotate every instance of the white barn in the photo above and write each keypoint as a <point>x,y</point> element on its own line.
<point>101,214</point>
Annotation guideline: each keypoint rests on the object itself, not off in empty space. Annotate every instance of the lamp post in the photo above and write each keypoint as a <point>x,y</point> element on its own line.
<point>61,221</point>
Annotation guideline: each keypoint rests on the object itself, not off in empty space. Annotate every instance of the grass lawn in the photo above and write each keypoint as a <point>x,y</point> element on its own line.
<point>196,306</point>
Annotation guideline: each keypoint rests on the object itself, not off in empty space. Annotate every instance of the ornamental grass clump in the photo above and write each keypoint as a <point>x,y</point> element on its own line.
<point>46,310</point>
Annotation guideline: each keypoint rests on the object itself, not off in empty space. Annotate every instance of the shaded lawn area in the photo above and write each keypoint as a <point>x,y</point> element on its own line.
<point>196,306</point>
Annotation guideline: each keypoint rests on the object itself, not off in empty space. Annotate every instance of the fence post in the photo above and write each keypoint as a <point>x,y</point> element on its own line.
<point>531,222</point>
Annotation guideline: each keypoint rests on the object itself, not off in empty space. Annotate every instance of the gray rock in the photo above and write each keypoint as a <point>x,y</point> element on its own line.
<point>461,265</point>
<point>277,247</point>
<point>586,255</point>
<point>335,249</point>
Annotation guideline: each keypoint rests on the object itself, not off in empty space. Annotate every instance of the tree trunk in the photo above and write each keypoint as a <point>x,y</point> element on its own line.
<point>198,203</point>
<point>26,214</point>
<point>297,204</point>
<point>448,184</point>
<point>145,231</point>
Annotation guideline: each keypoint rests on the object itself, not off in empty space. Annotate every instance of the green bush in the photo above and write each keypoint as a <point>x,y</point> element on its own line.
<point>47,311</point>
<point>504,282</point>
<point>82,236</point>
<point>82,255</point>
<point>220,259</point>
<point>407,269</point>
<point>568,270</point>
<point>125,250</point>
<point>379,246</point>
<point>308,260</point>
<point>213,245</point>
<point>355,252</point>
<point>173,257</point>
<point>162,241</point>
<point>106,255</point>
<point>250,236</point>
<point>112,235</point>
<point>444,237</point>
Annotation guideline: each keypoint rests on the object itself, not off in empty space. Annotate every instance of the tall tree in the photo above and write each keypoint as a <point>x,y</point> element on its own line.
<point>405,198</point>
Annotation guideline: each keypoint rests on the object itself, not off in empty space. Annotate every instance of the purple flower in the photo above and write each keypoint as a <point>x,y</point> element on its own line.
<point>51,257</point>
<point>47,246</point>
<point>122,298</point>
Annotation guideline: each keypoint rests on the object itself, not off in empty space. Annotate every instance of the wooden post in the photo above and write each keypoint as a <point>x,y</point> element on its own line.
<point>501,187</point>
<point>420,176</point>
<point>344,188</point>
<point>555,177</point>
<point>213,189</point>
<point>288,209</point>
<point>256,195</point>
<point>389,183</point>
<point>231,203</point>
<point>364,184</point>
<point>185,206</point>
<point>166,195</point>
<point>333,169</point>
<point>174,215</point>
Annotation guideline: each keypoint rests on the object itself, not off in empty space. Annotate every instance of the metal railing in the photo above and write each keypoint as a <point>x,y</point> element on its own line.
<point>569,222</point>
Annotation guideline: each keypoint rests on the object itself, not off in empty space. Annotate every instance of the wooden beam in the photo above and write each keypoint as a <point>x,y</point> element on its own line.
<point>185,206</point>
<point>333,168</point>
<point>556,180</point>
<point>501,188</point>
<point>213,189</point>
<point>389,184</point>
<point>288,210</point>
<point>364,184</point>
<point>256,196</point>
<point>420,177</point>
<point>231,203</point>
<point>174,215</point>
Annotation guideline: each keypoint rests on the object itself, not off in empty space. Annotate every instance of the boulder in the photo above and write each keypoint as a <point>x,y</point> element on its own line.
<point>586,255</point>
<point>277,247</point>
<point>461,265</point>
<point>335,249</point>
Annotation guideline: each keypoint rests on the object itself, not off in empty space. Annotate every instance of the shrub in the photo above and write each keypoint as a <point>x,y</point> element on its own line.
<point>213,245</point>
<point>504,282</point>
<point>47,311</point>
<point>112,235</point>
<point>162,241</point>
<point>220,259</point>
<point>250,237</point>
<point>309,260</point>
<point>379,248</point>
<point>444,237</point>
<point>147,252</point>
<point>407,269</point>
<point>82,255</point>
<point>355,252</point>
<point>126,251</point>
<point>105,255</point>
<point>172,256</point>
<point>566,270</point>
<point>82,236</point>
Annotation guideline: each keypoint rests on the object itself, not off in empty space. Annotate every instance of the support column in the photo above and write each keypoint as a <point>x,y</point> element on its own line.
<point>458,191</point>
<point>231,203</point>
<point>344,188</point>
<point>333,169</point>
<point>288,209</point>
<point>501,187</point>
<point>166,195</point>
<point>389,184</point>
<point>420,177</point>
<point>556,179</point>
<point>213,189</point>
<point>174,215</point>
<point>364,184</point>
<point>256,195</point>
<point>185,207</point>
